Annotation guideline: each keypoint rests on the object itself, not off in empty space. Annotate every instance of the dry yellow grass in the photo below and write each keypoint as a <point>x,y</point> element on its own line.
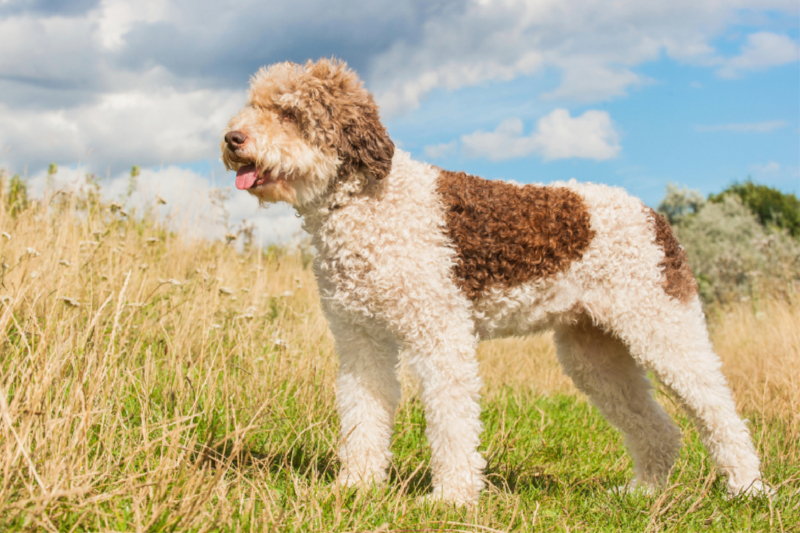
<point>759,343</point>
<point>523,362</point>
<point>102,317</point>
<point>149,380</point>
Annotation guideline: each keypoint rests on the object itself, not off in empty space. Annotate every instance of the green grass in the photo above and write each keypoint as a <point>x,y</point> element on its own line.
<point>553,466</point>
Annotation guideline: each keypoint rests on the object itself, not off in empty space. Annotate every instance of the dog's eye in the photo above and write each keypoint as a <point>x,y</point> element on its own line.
<point>288,117</point>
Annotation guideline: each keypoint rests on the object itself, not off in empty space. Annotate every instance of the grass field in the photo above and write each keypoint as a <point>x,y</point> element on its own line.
<point>149,382</point>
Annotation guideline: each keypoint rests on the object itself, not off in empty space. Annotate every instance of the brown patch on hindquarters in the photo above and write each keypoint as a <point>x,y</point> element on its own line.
<point>506,234</point>
<point>679,280</point>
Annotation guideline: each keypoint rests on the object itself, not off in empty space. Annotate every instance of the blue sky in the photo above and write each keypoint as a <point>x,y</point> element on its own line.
<point>630,93</point>
<point>686,126</point>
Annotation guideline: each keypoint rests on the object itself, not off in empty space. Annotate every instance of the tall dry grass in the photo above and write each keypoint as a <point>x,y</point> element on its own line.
<point>123,346</point>
<point>523,363</point>
<point>150,381</point>
<point>759,343</point>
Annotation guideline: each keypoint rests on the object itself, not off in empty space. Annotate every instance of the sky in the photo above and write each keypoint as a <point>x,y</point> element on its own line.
<point>624,92</point>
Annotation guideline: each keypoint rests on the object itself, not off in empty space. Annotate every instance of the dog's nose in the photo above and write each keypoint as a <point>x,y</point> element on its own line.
<point>235,139</point>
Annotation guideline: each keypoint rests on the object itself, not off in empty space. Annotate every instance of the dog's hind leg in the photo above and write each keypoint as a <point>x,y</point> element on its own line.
<point>367,395</point>
<point>670,338</point>
<point>601,367</point>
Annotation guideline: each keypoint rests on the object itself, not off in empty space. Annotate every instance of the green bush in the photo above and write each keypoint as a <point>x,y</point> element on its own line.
<point>679,203</point>
<point>771,206</point>
<point>732,253</point>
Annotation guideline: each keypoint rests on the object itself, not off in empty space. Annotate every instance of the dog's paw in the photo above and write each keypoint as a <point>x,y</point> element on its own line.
<point>346,482</point>
<point>636,487</point>
<point>360,480</point>
<point>457,498</point>
<point>756,489</point>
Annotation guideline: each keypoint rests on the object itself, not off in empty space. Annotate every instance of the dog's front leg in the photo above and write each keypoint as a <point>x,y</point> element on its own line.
<point>447,368</point>
<point>367,395</point>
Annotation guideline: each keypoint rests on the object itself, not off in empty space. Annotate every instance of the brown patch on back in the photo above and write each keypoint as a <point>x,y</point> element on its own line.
<point>679,280</point>
<point>506,234</point>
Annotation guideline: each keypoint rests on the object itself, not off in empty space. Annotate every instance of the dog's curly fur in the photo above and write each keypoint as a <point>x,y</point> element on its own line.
<point>536,232</point>
<point>419,261</point>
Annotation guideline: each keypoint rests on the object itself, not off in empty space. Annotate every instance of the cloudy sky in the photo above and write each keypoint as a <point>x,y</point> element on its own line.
<point>626,92</point>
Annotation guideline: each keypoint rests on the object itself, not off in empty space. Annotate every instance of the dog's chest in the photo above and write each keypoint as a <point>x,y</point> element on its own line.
<point>377,252</point>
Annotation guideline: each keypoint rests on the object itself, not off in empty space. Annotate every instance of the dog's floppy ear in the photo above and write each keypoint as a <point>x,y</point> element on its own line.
<point>353,120</point>
<point>364,144</point>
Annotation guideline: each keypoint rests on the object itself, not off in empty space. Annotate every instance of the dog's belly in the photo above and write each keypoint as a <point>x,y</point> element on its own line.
<point>526,309</point>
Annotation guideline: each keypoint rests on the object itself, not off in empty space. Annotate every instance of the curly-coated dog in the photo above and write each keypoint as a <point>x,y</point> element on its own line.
<point>419,260</point>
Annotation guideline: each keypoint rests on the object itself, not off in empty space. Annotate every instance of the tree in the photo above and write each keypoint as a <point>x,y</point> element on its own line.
<point>679,203</point>
<point>772,207</point>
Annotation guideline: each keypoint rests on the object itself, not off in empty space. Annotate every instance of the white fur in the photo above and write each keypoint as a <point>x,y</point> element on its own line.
<point>385,275</point>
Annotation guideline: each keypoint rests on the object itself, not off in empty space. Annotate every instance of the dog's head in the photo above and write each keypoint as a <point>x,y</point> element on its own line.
<point>304,128</point>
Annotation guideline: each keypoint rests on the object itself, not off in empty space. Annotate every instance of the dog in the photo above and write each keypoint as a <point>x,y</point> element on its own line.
<point>417,260</point>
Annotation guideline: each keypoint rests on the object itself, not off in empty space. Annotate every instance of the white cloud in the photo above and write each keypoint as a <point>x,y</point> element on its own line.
<point>748,127</point>
<point>121,129</point>
<point>189,205</point>
<point>407,93</point>
<point>586,81</point>
<point>557,136</point>
<point>114,18</point>
<point>761,51</point>
<point>766,168</point>
<point>152,81</point>
<point>593,45</point>
<point>189,208</point>
<point>436,151</point>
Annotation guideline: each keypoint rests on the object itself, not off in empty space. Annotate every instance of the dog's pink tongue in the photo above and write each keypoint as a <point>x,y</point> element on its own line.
<point>246,177</point>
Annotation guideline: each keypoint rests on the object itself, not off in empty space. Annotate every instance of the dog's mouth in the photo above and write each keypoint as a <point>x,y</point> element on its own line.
<point>250,176</point>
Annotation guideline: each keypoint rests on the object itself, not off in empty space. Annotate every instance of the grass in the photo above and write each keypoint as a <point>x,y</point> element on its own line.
<point>151,382</point>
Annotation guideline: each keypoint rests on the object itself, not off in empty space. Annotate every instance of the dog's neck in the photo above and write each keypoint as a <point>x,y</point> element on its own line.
<point>339,195</point>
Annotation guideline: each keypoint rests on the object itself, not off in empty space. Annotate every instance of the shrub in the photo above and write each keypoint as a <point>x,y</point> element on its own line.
<point>733,255</point>
<point>679,203</point>
<point>771,206</point>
